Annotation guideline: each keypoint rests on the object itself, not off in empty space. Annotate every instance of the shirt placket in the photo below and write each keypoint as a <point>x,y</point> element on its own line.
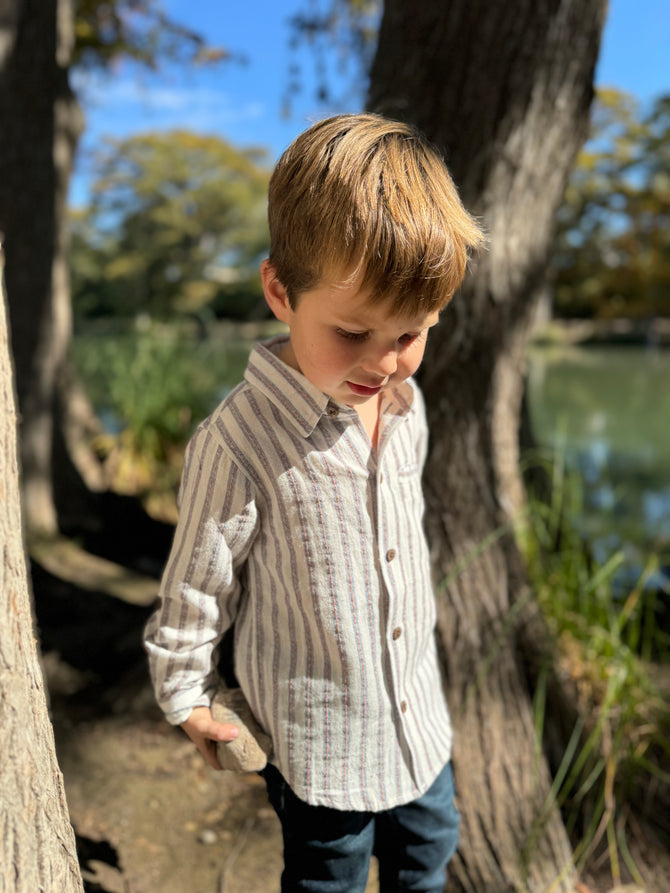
<point>389,560</point>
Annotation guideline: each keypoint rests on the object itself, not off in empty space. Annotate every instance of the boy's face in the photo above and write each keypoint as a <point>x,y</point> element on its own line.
<point>345,346</point>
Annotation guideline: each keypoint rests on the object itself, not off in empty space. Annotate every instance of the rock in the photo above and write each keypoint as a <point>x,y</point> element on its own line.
<point>248,752</point>
<point>207,837</point>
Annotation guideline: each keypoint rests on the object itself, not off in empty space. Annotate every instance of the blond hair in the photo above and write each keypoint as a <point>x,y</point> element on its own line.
<point>360,197</point>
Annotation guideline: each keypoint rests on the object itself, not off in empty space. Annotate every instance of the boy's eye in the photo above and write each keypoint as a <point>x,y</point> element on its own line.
<point>352,336</point>
<point>404,340</point>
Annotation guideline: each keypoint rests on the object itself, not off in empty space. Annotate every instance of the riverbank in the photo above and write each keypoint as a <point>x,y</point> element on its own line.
<point>654,332</point>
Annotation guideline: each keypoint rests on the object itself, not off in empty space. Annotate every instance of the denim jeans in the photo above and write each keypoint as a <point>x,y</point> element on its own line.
<point>328,850</point>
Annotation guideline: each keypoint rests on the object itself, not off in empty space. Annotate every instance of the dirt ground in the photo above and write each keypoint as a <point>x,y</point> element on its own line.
<point>149,815</point>
<point>166,822</point>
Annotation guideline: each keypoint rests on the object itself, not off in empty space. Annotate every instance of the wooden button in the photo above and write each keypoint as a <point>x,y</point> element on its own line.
<point>397,632</point>
<point>403,707</point>
<point>390,555</point>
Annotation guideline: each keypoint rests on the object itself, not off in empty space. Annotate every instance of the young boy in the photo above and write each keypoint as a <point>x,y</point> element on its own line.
<point>301,518</point>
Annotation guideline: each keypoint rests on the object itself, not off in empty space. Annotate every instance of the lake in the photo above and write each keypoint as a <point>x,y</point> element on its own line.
<point>607,410</point>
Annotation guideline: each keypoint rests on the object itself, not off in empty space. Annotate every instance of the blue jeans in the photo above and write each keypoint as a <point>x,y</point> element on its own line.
<point>328,850</point>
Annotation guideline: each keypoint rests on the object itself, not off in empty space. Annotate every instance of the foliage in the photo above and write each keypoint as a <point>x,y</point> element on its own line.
<point>613,247</point>
<point>176,223</point>
<point>606,643</point>
<point>135,29</point>
<point>335,32</point>
<point>151,385</point>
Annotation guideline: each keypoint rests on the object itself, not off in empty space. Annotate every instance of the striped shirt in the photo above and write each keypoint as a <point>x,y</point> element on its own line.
<point>293,527</point>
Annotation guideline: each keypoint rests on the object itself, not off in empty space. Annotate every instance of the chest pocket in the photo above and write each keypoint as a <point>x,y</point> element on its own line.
<point>407,485</point>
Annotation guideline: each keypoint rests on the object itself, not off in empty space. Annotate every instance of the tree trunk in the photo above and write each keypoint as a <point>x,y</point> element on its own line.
<point>503,89</point>
<point>37,846</point>
<point>41,122</point>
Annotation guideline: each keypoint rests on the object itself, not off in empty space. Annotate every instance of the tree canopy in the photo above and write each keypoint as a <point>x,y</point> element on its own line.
<point>136,29</point>
<point>338,32</point>
<point>613,248</point>
<point>176,222</point>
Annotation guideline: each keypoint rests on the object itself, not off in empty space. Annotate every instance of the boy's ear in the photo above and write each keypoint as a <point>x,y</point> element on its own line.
<point>275,293</point>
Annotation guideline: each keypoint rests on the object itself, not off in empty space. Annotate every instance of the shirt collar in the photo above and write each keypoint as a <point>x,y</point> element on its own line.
<point>297,398</point>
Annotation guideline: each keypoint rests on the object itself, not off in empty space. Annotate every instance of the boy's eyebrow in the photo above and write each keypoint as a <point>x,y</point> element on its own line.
<point>367,325</point>
<point>356,319</point>
<point>421,323</point>
<point>359,320</point>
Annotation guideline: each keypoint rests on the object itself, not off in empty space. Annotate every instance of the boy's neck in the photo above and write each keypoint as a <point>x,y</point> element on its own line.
<point>287,356</point>
<point>369,416</point>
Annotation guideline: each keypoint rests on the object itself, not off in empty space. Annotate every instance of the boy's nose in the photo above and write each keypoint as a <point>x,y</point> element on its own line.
<point>384,363</point>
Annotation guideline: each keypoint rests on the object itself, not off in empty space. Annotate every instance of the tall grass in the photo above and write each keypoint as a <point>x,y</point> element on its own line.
<point>151,387</point>
<point>613,649</point>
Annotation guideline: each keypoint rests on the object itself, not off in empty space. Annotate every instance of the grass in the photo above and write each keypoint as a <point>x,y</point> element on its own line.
<point>151,387</point>
<point>609,644</point>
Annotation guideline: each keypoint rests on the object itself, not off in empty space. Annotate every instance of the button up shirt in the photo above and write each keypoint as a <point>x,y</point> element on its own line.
<point>294,528</point>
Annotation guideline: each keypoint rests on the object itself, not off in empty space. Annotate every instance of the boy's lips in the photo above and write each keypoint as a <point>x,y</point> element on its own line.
<point>362,390</point>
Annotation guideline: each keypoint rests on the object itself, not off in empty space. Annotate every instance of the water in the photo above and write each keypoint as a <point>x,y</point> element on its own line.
<point>607,410</point>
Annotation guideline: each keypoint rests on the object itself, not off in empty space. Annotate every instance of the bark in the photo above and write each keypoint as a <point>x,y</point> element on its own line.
<point>504,90</point>
<point>41,123</point>
<point>37,845</point>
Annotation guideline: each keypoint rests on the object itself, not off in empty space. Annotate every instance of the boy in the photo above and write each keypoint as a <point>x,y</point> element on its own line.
<point>301,518</point>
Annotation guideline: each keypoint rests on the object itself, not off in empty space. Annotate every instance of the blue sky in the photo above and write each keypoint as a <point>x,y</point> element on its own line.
<point>243,101</point>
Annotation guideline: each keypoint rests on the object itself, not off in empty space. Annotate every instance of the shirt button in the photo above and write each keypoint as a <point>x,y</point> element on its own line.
<point>397,632</point>
<point>390,555</point>
<point>332,411</point>
<point>403,706</point>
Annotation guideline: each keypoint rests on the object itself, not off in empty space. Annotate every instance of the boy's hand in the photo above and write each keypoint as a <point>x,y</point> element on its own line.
<point>205,732</point>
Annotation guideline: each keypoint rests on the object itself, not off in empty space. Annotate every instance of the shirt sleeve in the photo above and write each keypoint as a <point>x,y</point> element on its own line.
<point>201,588</point>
